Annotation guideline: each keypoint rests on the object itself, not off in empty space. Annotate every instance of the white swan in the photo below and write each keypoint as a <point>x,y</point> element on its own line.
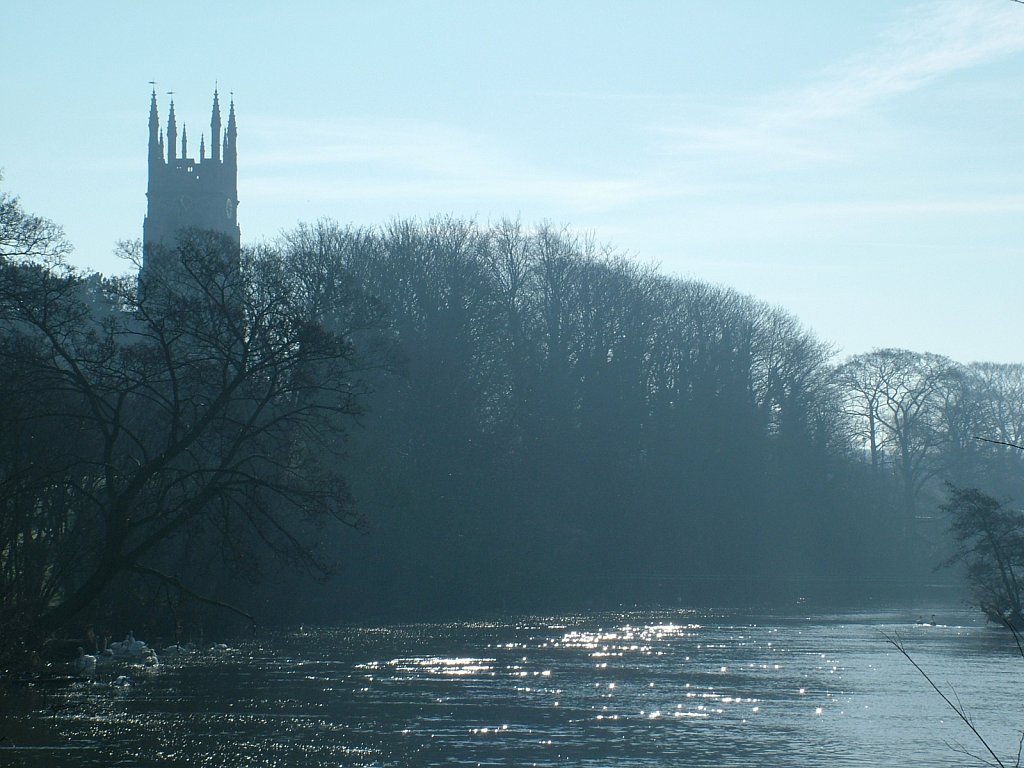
<point>85,662</point>
<point>129,646</point>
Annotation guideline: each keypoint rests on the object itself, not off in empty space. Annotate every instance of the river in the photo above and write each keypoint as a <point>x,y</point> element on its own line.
<point>642,688</point>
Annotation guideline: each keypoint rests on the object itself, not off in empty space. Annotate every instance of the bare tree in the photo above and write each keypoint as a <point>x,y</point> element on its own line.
<point>25,236</point>
<point>898,397</point>
<point>207,399</point>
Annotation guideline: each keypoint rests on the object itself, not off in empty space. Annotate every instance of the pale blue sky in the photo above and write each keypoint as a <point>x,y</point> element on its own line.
<point>859,164</point>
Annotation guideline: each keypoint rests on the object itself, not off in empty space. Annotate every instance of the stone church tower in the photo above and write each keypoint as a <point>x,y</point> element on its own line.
<point>187,193</point>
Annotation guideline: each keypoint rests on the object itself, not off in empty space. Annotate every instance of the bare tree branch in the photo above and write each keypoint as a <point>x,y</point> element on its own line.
<point>896,642</point>
<point>985,439</point>
<point>175,582</point>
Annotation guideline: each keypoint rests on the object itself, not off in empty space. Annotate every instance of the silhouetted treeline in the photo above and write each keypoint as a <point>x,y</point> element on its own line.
<point>527,419</point>
<point>566,425</point>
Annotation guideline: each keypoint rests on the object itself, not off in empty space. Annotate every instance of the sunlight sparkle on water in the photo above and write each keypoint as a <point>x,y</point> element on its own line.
<point>662,692</point>
<point>436,665</point>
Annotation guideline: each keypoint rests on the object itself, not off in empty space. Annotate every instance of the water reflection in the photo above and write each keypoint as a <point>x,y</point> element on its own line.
<point>656,689</point>
<point>433,666</point>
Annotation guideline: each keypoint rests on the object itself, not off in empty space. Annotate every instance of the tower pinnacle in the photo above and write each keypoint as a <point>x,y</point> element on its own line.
<point>172,135</point>
<point>215,136</point>
<point>230,151</point>
<point>155,155</point>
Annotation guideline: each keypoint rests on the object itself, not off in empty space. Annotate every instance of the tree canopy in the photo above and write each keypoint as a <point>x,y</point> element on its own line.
<point>525,417</point>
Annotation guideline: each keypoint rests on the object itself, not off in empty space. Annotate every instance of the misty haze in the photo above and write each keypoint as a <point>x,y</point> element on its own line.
<point>585,385</point>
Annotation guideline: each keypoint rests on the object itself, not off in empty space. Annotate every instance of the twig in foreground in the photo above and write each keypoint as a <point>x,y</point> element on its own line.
<point>897,643</point>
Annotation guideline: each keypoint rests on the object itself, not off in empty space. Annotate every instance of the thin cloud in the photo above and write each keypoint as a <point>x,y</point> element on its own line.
<point>900,208</point>
<point>579,194</point>
<point>927,42</point>
<point>333,161</point>
<point>930,41</point>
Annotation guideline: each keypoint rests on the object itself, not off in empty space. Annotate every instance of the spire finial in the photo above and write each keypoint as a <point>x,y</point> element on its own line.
<point>215,133</point>
<point>230,150</point>
<point>172,132</point>
<point>154,130</point>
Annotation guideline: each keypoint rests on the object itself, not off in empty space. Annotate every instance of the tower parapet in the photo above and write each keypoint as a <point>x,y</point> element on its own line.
<point>185,193</point>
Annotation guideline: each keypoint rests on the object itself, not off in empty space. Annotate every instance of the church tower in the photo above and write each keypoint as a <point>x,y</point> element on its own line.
<point>187,193</point>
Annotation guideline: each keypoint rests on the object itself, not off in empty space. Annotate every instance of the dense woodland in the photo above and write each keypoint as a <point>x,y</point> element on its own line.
<point>444,418</point>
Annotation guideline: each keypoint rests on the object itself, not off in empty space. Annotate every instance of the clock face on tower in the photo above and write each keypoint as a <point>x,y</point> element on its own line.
<point>229,208</point>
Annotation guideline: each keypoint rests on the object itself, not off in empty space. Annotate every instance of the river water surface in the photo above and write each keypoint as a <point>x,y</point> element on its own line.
<point>652,689</point>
